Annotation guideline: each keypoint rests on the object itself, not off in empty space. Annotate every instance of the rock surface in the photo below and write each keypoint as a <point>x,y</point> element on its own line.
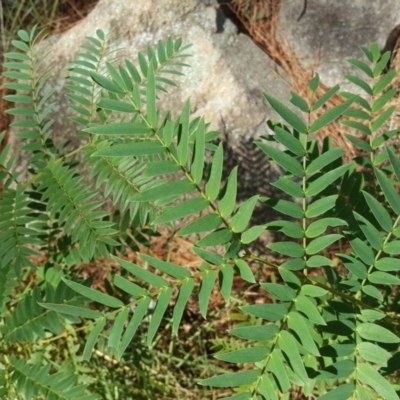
<point>228,71</point>
<point>223,87</point>
<point>329,32</point>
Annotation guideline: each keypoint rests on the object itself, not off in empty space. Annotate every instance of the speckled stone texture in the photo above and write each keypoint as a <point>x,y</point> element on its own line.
<point>332,31</point>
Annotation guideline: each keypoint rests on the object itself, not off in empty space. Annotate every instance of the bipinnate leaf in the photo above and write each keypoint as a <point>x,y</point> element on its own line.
<point>126,78</point>
<point>188,207</point>
<point>285,207</point>
<point>371,377</point>
<point>226,281</point>
<point>207,285</point>
<point>183,142</point>
<point>227,203</point>
<point>374,52</point>
<point>219,236</point>
<point>392,247</point>
<point>184,294</point>
<point>321,206</point>
<point>382,118</point>
<point>158,314</point>
<point>252,234</point>
<point>373,353</point>
<point>314,83</point>
<point>395,161</point>
<point>165,190</point>
<point>379,211</point>
<point>266,388</point>
<point>288,186</point>
<point>138,315</point>
<point>339,369</point>
<point>319,261</point>
<point>307,307</point>
<point>269,312</point>
<point>106,83</point>
<point>288,115</point>
<point>363,251</point>
<point>287,345</point>
<point>151,106</point>
<point>114,105</point>
<point>325,97</point>
<point>354,265</point>
<point>94,295</point>
<point>313,291</point>
<point>341,392</point>
<point>373,292</point>
<point>208,256</point>
<point>119,128</point>
<point>362,144</point>
<point>371,315</point>
<point>290,229</point>
<point>281,292</point>
<point>278,369</point>
<point>299,327</point>
<point>295,264</point>
<point>299,102</point>
<point>76,311</point>
<point>281,158</point>
<point>324,159</point>
<point>382,63</point>
<point>203,224</point>
<point>244,270</point>
<point>114,337</point>
<point>239,396</point>
<point>92,338</point>
<point>381,139</point>
<point>289,141</point>
<point>331,334</point>
<point>388,264</point>
<point>256,333</point>
<point>325,180</point>
<point>374,237</point>
<point>383,278</point>
<point>242,217</point>
<point>290,249</point>
<point>361,66</point>
<point>384,81</point>
<point>360,83</point>
<point>159,168</point>
<point>198,159</point>
<point>233,379</point>
<point>168,133</point>
<point>374,332</point>
<point>143,64</point>
<point>383,100</point>
<point>321,243</point>
<point>248,355</point>
<point>176,271</point>
<point>141,273</point>
<point>331,115</point>
<point>319,226</point>
<point>129,287</point>
<point>131,149</point>
<point>214,180</point>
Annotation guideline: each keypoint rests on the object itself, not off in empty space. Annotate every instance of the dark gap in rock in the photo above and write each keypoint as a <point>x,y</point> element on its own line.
<point>225,11</point>
<point>392,45</point>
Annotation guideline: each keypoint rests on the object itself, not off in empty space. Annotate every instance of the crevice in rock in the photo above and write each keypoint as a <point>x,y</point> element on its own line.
<point>392,45</point>
<point>225,12</point>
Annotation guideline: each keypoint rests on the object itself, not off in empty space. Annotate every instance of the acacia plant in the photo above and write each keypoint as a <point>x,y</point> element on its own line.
<point>329,327</point>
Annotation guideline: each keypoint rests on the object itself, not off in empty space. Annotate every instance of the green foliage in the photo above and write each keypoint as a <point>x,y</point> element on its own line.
<point>328,326</point>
